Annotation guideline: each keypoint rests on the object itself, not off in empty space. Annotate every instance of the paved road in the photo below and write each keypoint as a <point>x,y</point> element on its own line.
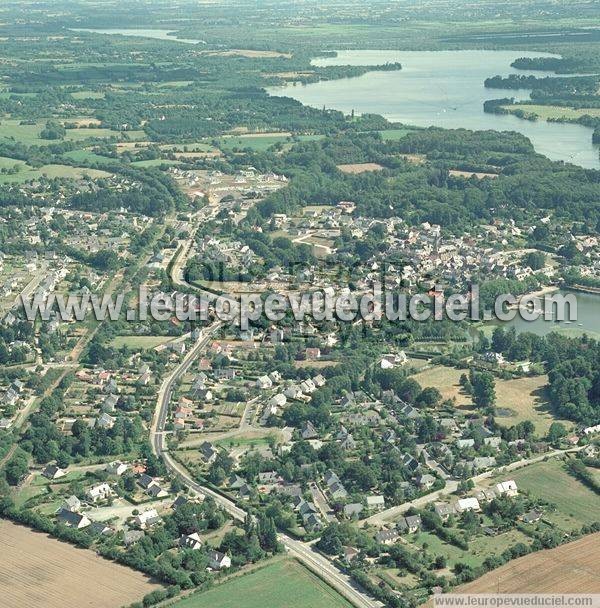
<point>389,515</point>
<point>303,552</point>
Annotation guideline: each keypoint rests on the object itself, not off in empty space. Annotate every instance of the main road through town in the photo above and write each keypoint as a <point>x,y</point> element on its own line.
<point>302,551</point>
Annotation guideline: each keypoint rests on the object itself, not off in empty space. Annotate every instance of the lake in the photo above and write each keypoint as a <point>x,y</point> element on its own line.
<point>443,89</point>
<point>588,319</point>
<point>147,33</point>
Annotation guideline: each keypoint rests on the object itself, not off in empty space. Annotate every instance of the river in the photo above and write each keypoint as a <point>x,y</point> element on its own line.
<point>142,33</point>
<point>443,89</point>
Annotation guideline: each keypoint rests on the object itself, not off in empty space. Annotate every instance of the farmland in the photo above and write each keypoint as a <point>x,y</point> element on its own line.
<point>571,568</point>
<point>283,584</point>
<point>38,570</point>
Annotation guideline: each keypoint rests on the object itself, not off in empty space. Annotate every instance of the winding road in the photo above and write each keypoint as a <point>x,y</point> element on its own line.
<point>302,551</point>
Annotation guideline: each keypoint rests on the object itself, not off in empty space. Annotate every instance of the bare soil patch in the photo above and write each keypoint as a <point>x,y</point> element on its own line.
<point>357,168</point>
<point>41,571</point>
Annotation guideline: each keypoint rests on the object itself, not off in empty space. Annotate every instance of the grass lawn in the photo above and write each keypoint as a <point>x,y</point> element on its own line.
<point>446,380</point>
<point>88,156</point>
<point>51,171</point>
<point>139,342</point>
<point>284,584</point>
<point>517,400</point>
<point>549,481</point>
<point>395,134</point>
<point>155,162</point>
<point>526,399</point>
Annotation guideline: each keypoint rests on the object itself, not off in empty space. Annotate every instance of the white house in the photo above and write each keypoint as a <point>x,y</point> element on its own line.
<point>147,518</point>
<point>468,504</point>
<point>116,468</point>
<point>264,382</point>
<point>99,492</point>
<point>507,487</point>
<point>218,561</point>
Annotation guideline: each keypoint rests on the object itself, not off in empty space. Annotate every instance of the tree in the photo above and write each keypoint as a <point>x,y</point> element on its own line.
<point>484,392</point>
<point>17,467</point>
<point>556,432</point>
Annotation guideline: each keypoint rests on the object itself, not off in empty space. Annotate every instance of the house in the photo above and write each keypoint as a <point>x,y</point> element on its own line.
<point>444,510</point>
<point>145,481</point>
<point>319,380</point>
<point>218,561</point>
<point>413,523</point>
<point>312,354</point>
<point>484,462</point>
<point>410,463</point>
<point>147,519</point>
<point>293,392</point>
<point>72,503</point>
<point>308,386</point>
<point>353,510</point>
<point>99,528</point>
<point>312,522</point>
<point>308,431</point>
<point>116,468</point>
<point>179,502</point>
<point>337,491</point>
<point>350,554</point>
<point>493,442</point>
<point>532,517</point>
<point>426,481</point>
<point>208,452</point>
<point>465,443</point>
<point>105,421</point>
<point>387,537</point>
<point>156,491</point>
<point>53,471</point>
<point>99,492</point>
<point>110,403</point>
<point>72,519</point>
<point>269,478</point>
<point>348,443</point>
<point>264,382</point>
<point>467,504</point>
<point>375,503</point>
<point>130,537</point>
<point>509,488</point>
<point>235,482</point>
<point>190,541</point>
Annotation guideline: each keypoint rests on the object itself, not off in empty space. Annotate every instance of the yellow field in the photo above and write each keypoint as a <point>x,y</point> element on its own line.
<point>41,571</point>
<point>571,568</point>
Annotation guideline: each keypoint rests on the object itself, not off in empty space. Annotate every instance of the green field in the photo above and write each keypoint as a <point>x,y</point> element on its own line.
<point>549,481</point>
<point>139,342</point>
<point>284,584</point>
<point>554,112</point>
<point>394,134</point>
<point>260,143</point>
<point>51,171</point>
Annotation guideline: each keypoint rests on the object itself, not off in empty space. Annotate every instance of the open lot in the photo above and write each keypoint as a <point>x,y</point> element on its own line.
<point>571,568</point>
<point>42,571</point>
<point>357,168</point>
<point>549,481</point>
<point>284,584</point>
<point>517,400</point>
